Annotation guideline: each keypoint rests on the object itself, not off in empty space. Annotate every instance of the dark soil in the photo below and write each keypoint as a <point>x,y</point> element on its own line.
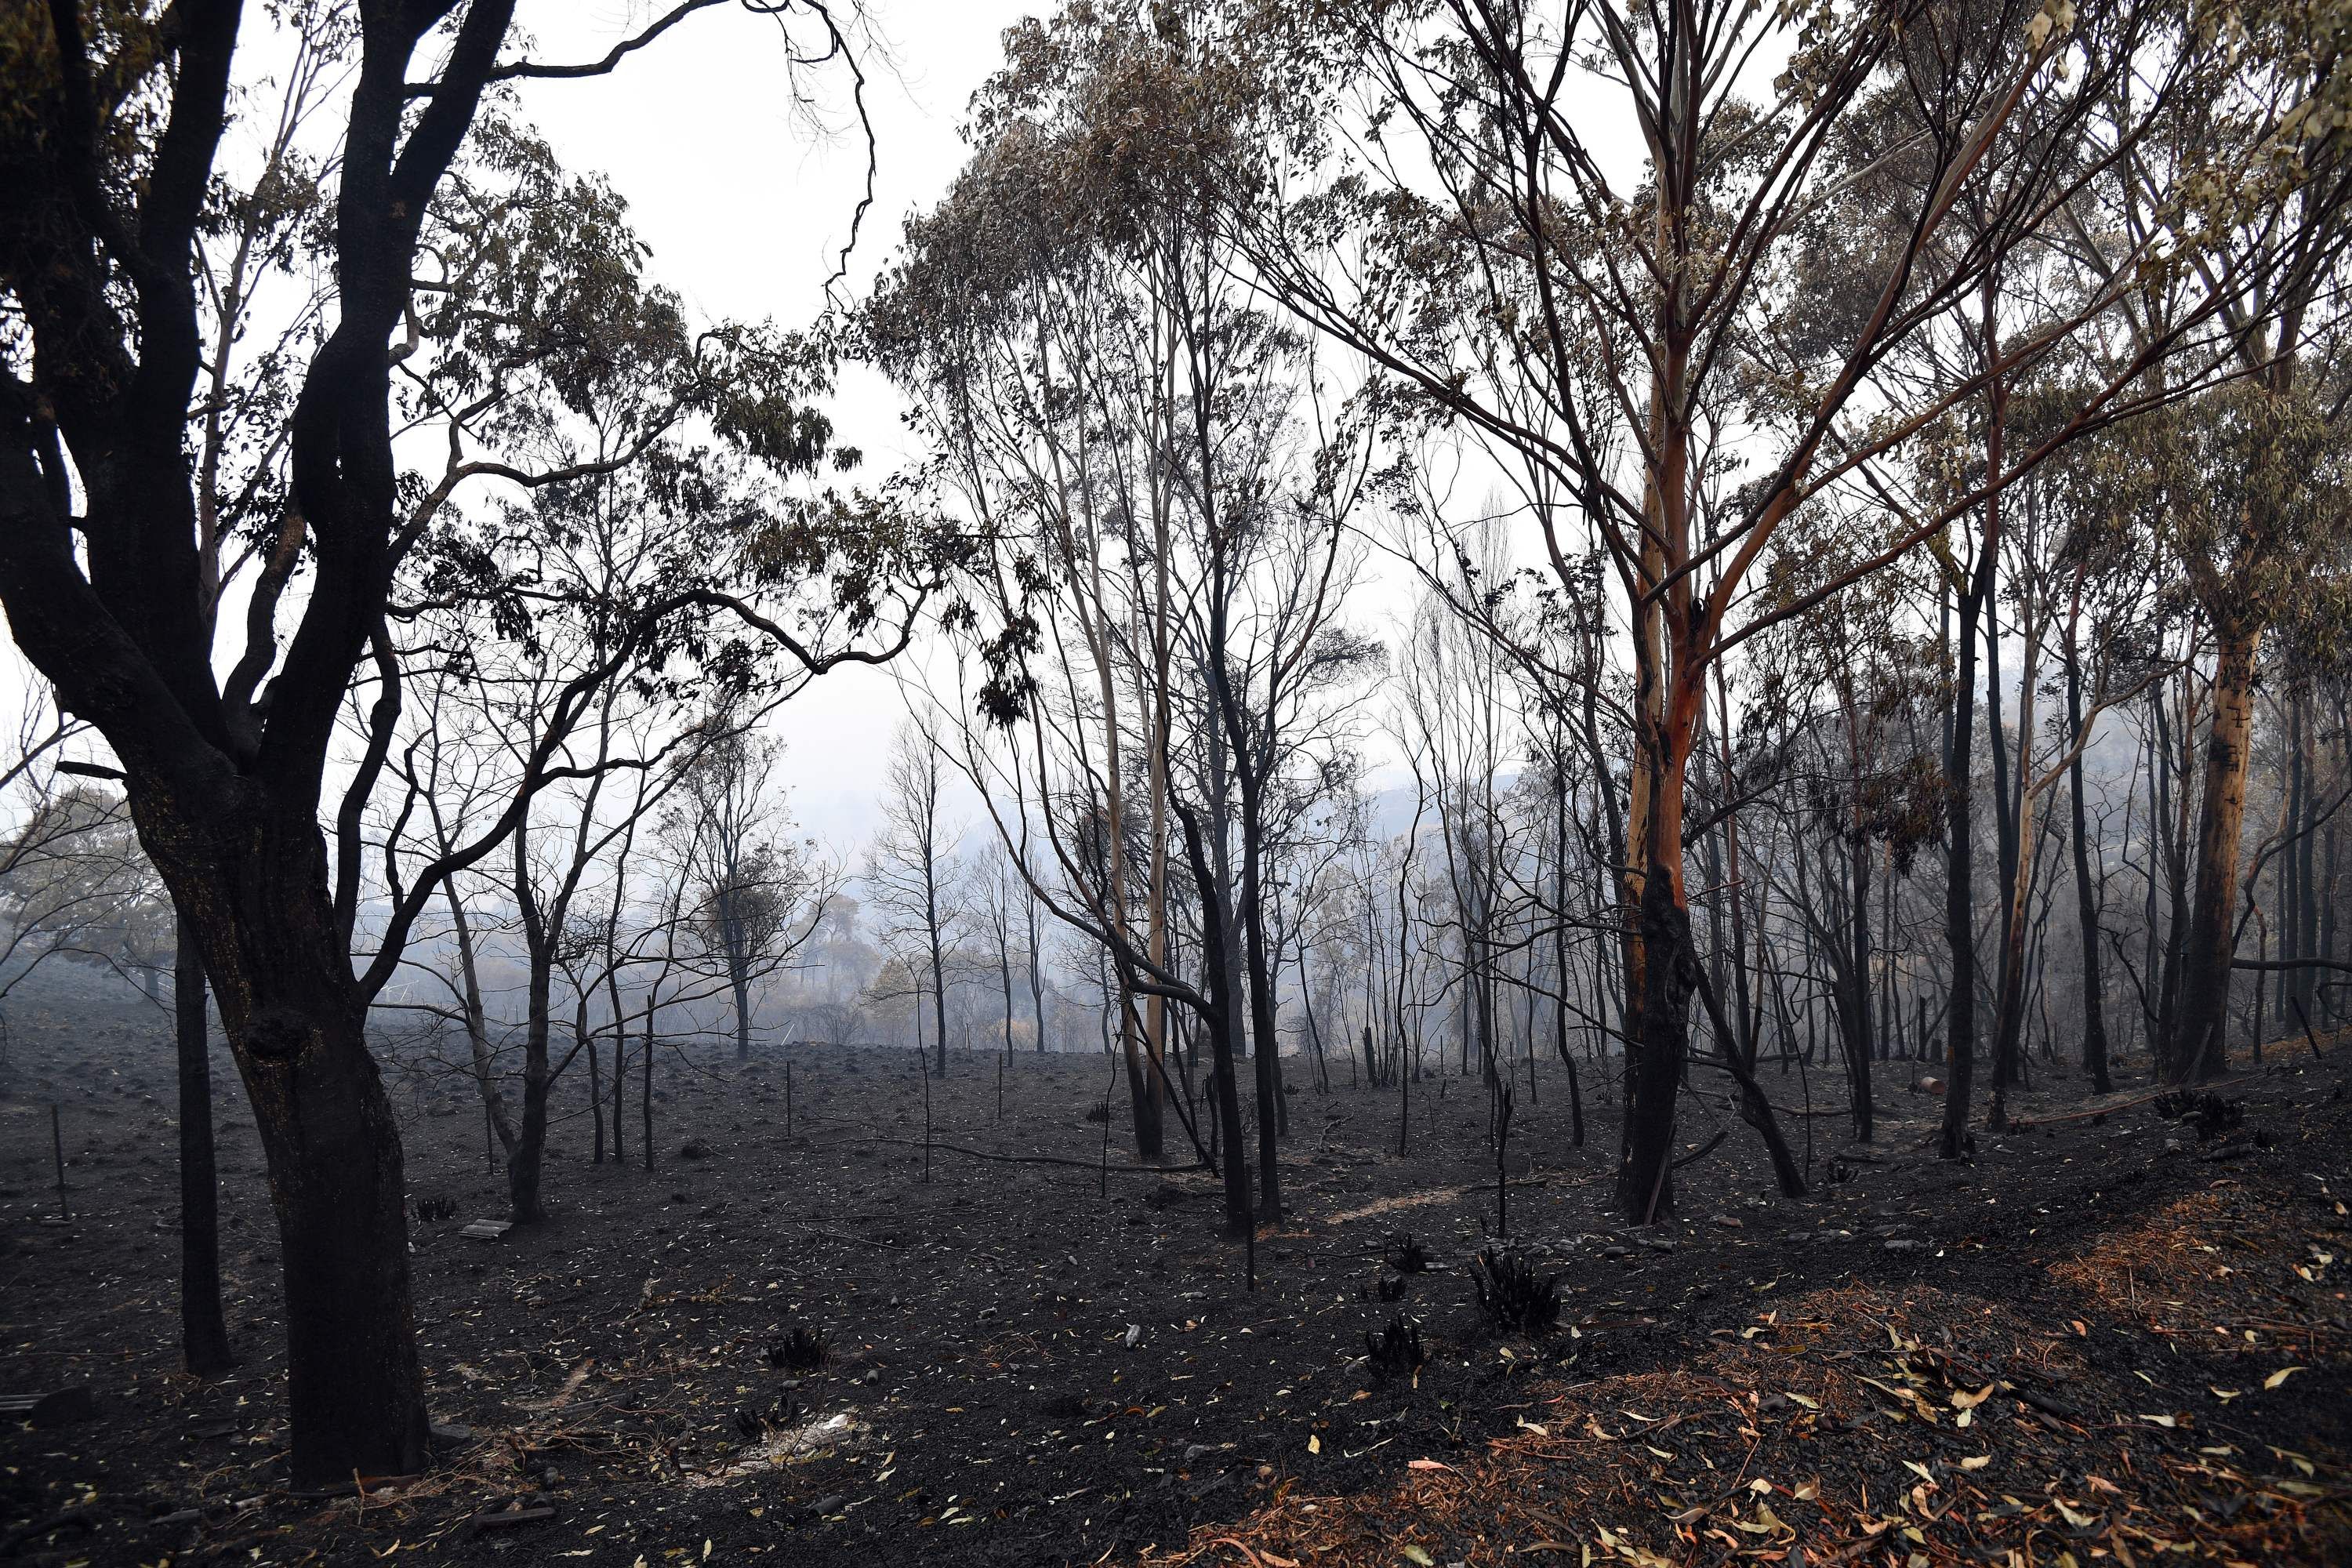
<point>1022,1370</point>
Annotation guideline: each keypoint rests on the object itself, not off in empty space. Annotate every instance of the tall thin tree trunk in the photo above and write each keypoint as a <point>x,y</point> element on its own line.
<point>2086,897</point>
<point>646,1083</point>
<point>2197,1048</point>
<point>1216,971</point>
<point>1959,902</point>
<point>525,1157</point>
<point>204,1335</point>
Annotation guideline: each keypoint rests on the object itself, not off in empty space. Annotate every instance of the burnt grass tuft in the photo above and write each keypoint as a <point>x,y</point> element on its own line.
<point>800,1349</point>
<point>1395,1351</point>
<point>1405,1255</point>
<point>1514,1297</point>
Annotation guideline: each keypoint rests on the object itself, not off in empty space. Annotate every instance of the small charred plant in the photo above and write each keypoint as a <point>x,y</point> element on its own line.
<point>2209,1115</point>
<point>434,1210</point>
<point>2214,1116</point>
<point>1389,1286</point>
<point>1405,1255</point>
<point>1840,1173</point>
<point>1512,1294</point>
<point>748,1423</point>
<point>1098,1114</point>
<point>1395,1351</point>
<point>803,1349</point>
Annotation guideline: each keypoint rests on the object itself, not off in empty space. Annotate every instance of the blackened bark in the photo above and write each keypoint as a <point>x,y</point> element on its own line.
<point>262,915</point>
<point>1645,1189</point>
<point>645,1082</point>
<point>1215,969</point>
<point>1267,1045</point>
<point>1857,1010</point>
<point>2087,900</point>
<point>111,606</point>
<point>1754,1108</point>
<point>1959,904</point>
<point>938,966</point>
<point>2005,815</point>
<point>526,1156</point>
<point>2197,1048</point>
<point>1559,941</point>
<point>204,1349</point>
<point>595,1091</point>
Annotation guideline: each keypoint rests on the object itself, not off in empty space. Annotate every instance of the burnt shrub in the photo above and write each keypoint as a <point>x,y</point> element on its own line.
<point>803,1348</point>
<point>1513,1295</point>
<point>2208,1114</point>
<point>2214,1116</point>
<point>1405,1255</point>
<point>1395,1351</point>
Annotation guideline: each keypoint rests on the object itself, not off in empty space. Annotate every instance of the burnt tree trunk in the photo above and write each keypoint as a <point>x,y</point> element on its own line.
<point>1644,1179</point>
<point>1959,903</point>
<point>2197,1048</point>
<point>204,1349</point>
<point>255,890</point>
<point>2086,897</point>
<point>1266,1047</point>
<point>1216,972</point>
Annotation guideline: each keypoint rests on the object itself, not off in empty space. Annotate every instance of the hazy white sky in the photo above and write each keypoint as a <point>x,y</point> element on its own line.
<point>747,209</point>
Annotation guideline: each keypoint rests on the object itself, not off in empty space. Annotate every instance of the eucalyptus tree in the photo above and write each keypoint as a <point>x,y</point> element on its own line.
<point>1022,319</point>
<point>1166,495</point>
<point>1454,703</point>
<point>1854,683</point>
<point>2083,595</point>
<point>112,145</point>
<point>2249,169</point>
<point>1590,258</point>
<point>760,895</point>
<point>75,888</point>
<point>2259,479</point>
<point>261,305</point>
<point>913,873</point>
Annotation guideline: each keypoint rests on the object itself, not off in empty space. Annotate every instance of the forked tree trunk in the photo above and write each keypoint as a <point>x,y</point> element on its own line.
<point>2197,1048</point>
<point>255,895</point>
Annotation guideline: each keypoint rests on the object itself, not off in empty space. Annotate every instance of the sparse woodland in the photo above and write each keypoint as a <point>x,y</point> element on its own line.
<point>1615,831</point>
